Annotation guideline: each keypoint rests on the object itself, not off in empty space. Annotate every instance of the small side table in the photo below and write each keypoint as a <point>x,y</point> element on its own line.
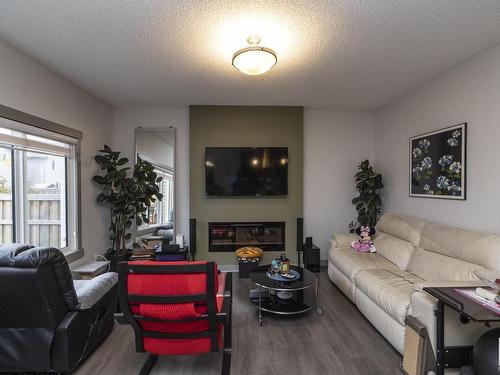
<point>456,356</point>
<point>304,293</point>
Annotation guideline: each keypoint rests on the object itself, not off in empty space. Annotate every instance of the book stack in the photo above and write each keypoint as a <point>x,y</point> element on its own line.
<point>142,254</point>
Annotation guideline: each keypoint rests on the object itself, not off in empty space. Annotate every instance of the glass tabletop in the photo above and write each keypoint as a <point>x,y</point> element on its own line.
<point>306,279</point>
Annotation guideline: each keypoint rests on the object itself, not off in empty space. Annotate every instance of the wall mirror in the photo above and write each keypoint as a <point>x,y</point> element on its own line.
<point>158,147</point>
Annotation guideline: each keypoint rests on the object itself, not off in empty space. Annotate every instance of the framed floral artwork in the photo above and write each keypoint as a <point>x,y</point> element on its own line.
<point>438,163</point>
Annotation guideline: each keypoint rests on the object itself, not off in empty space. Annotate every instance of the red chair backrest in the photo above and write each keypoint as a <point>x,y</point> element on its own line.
<point>170,305</point>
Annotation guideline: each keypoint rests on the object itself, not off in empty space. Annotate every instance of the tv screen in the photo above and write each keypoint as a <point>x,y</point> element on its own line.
<point>257,171</point>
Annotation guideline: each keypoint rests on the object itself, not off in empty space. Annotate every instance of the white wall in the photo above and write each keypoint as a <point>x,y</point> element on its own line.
<point>30,87</point>
<point>468,93</point>
<point>126,120</point>
<point>335,142</point>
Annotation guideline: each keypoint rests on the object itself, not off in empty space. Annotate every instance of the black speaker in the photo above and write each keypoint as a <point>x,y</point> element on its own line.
<point>192,235</point>
<point>311,255</point>
<point>300,233</point>
<point>309,241</point>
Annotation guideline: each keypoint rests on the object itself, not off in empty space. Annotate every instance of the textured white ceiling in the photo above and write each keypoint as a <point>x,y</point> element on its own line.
<point>351,54</point>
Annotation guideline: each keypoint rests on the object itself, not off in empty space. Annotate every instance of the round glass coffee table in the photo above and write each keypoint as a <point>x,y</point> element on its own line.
<point>288,297</point>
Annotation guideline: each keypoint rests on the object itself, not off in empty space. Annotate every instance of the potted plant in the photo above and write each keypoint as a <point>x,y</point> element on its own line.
<point>128,192</point>
<point>368,203</point>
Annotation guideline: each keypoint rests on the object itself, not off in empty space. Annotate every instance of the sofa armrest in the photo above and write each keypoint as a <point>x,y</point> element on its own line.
<point>80,332</point>
<point>447,284</point>
<point>343,239</point>
<point>89,292</point>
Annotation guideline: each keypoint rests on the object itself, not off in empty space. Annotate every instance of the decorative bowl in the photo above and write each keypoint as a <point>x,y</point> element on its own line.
<point>284,295</point>
<point>489,277</point>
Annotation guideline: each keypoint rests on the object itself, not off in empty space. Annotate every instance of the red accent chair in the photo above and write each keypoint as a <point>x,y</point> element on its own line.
<point>176,308</point>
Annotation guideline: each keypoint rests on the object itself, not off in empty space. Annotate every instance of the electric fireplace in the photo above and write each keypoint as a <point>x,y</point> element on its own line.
<point>227,237</point>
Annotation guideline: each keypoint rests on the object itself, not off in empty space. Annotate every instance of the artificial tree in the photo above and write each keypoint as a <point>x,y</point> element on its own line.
<point>127,193</point>
<point>368,203</point>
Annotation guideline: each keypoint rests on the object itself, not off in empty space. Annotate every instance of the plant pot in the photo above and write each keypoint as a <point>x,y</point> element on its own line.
<point>115,259</point>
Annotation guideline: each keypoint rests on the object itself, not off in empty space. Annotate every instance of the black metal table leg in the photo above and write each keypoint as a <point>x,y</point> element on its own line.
<point>148,365</point>
<point>440,365</point>
<point>317,308</point>
<point>259,316</point>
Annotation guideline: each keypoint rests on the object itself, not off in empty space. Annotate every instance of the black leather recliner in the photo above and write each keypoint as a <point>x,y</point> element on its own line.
<point>43,327</point>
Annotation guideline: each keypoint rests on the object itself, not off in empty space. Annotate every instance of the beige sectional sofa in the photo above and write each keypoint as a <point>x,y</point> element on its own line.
<point>387,286</point>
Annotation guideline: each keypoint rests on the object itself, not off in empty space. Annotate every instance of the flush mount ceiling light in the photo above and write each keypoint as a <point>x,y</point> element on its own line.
<point>254,60</point>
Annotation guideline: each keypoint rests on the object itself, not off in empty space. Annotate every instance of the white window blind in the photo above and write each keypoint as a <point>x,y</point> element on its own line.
<point>20,140</point>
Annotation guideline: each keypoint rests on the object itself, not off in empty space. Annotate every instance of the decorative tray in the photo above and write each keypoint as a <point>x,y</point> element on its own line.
<point>291,276</point>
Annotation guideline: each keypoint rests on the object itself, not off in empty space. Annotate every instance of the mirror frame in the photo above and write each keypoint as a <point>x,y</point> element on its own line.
<point>172,130</point>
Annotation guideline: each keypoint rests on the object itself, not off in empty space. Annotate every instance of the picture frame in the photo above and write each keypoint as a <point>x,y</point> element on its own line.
<point>438,163</point>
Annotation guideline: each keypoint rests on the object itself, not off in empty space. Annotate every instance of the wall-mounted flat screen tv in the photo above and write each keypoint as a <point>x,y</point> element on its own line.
<point>246,171</point>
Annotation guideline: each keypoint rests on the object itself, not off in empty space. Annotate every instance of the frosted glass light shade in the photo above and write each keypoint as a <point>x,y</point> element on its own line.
<point>254,60</point>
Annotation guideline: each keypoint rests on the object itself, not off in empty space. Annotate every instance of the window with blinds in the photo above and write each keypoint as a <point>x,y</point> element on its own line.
<point>38,187</point>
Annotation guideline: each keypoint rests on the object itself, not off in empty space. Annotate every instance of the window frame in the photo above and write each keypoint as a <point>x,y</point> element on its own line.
<point>22,198</point>
<point>170,173</point>
<point>12,114</point>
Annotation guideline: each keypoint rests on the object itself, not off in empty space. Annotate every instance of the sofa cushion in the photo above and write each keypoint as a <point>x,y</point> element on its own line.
<point>394,249</point>
<point>350,262</point>
<point>436,267</point>
<point>404,227</point>
<point>390,290</point>
<point>470,246</point>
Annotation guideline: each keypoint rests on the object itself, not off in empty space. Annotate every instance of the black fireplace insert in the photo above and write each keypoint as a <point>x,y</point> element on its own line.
<point>227,237</point>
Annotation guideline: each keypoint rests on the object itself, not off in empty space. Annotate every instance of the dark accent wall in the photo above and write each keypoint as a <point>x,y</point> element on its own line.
<point>242,126</point>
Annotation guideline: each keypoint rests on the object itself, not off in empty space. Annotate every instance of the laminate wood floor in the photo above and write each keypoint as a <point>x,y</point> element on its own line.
<point>341,342</point>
